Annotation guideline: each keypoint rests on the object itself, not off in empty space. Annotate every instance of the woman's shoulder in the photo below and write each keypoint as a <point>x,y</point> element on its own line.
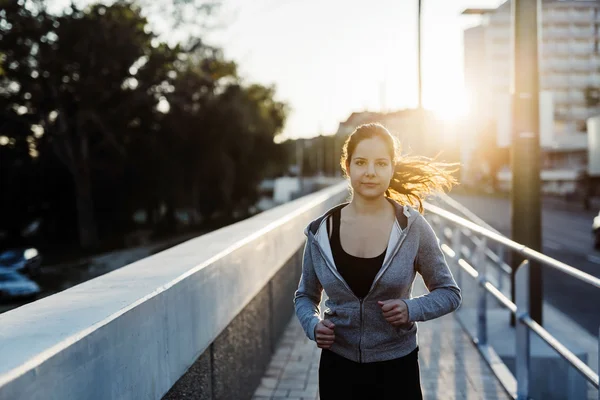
<point>405,213</point>
<point>422,225</point>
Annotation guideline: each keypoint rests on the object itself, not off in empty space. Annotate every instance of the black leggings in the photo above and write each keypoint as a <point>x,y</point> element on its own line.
<point>398,379</point>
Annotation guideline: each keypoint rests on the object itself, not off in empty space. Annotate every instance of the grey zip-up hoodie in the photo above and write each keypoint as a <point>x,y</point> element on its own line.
<point>361,332</point>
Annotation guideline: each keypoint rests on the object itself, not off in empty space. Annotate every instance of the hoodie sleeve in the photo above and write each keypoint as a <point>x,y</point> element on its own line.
<point>444,295</point>
<point>308,296</point>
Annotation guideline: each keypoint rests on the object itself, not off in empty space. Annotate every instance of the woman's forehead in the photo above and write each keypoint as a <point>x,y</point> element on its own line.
<point>371,148</point>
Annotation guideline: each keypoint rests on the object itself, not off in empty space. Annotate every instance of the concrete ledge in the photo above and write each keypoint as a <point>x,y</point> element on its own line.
<point>234,364</point>
<point>134,332</point>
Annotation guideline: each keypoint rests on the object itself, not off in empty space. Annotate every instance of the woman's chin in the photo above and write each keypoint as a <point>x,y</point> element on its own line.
<point>370,194</point>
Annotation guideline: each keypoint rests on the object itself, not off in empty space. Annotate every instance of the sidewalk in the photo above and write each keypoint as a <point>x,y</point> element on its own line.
<point>451,368</point>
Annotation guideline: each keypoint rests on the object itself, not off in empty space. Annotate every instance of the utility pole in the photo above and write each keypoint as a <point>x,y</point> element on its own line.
<point>300,164</point>
<point>382,97</point>
<point>420,113</point>
<point>525,149</point>
<point>321,154</point>
<point>420,79</point>
<point>336,158</point>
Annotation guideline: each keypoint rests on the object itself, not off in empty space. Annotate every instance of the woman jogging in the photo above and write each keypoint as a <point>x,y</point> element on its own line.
<point>365,255</point>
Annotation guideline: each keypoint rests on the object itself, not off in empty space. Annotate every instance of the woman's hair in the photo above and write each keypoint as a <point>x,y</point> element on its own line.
<point>415,177</point>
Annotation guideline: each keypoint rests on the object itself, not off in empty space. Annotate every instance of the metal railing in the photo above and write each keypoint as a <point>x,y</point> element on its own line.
<point>517,386</point>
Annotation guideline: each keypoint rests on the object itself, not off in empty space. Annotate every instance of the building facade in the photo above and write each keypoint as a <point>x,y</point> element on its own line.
<point>569,67</point>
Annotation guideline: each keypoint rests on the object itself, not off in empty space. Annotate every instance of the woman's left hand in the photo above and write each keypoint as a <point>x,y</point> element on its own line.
<point>394,311</point>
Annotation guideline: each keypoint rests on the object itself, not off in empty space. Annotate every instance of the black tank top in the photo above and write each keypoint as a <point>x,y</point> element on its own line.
<point>358,272</point>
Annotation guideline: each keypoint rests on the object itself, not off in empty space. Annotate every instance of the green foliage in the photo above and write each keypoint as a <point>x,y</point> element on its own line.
<point>95,81</point>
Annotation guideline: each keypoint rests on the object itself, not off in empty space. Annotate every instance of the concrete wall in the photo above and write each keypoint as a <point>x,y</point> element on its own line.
<point>199,320</point>
<point>233,364</point>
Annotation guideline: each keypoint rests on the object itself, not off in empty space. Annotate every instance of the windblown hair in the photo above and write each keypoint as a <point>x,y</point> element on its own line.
<point>415,177</point>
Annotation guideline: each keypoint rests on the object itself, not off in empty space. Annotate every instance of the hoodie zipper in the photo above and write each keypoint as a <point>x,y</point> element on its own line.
<point>360,301</point>
<point>361,331</point>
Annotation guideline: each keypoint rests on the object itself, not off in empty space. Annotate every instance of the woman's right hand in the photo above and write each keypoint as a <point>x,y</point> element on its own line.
<point>324,335</point>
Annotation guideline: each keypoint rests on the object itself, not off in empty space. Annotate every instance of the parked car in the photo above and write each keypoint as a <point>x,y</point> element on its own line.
<point>14,286</point>
<point>596,231</point>
<point>25,260</point>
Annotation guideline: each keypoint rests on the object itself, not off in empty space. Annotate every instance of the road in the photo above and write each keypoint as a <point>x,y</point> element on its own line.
<point>566,236</point>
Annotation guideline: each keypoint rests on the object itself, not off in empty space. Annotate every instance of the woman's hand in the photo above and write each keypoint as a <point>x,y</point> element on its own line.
<point>394,311</point>
<point>324,335</point>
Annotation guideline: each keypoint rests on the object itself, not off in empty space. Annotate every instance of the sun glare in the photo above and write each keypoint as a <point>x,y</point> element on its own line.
<point>451,107</point>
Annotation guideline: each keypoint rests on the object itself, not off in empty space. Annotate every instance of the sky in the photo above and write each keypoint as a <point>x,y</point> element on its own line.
<point>329,58</point>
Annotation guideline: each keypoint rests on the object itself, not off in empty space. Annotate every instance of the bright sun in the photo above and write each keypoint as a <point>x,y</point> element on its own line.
<point>450,108</point>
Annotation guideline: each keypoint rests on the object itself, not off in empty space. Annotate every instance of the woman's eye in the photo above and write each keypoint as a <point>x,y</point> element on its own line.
<point>382,164</point>
<point>360,162</point>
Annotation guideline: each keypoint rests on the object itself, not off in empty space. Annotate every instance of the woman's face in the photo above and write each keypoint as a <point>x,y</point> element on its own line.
<point>370,168</point>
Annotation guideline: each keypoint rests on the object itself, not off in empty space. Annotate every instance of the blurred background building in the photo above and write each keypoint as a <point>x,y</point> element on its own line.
<point>569,65</point>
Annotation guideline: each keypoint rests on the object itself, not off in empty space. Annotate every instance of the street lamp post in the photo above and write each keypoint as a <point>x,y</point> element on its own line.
<point>419,71</point>
<point>525,151</point>
<point>420,112</point>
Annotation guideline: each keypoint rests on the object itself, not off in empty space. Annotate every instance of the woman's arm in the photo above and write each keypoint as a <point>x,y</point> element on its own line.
<point>308,296</point>
<point>444,295</point>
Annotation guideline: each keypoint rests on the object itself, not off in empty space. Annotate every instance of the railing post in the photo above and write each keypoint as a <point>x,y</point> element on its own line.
<point>522,331</point>
<point>457,253</point>
<point>480,258</point>
<point>500,254</point>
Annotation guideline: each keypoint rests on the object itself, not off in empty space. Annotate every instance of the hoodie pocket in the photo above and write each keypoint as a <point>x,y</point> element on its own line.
<point>340,317</point>
<point>380,334</point>
<point>345,325</point>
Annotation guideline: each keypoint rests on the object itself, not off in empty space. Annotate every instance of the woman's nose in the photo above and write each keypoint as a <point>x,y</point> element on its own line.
<point>371,169</point>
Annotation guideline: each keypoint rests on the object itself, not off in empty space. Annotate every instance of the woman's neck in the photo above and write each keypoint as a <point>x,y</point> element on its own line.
<point>361,206</point>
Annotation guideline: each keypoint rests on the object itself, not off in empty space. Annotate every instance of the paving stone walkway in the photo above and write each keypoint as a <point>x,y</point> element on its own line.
<point>451,367</point>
